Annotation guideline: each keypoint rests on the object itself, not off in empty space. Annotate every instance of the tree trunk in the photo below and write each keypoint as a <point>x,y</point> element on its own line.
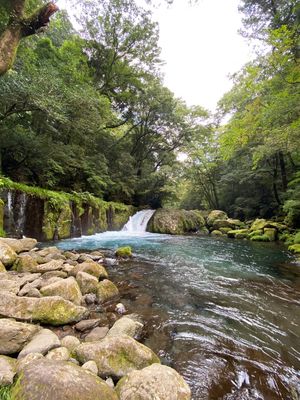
<point>20,27</point>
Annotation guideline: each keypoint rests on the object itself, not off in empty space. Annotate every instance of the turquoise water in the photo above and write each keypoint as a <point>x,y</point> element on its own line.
<point>224,313</point>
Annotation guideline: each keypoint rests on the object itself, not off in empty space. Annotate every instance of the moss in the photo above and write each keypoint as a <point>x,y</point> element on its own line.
<point>124,252</point>
<point>271,233</point>
<point>225,230</point>
<point>238,233</point>
<point>297,238</point>
<point>295,248</point>
<point>260,238</point>
<point>255,233</point>
<point>216,233</point>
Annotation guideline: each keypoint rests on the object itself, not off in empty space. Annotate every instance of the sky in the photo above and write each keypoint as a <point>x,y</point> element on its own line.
<point>200,47</point>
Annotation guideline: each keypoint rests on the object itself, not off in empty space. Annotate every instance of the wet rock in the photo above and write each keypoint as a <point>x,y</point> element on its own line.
<point>154,382</point>
<point>21,364</point>
<point>97,334</point>
<point>42,342</point>
<point>87,324</point>
<point>68,289</point>
<point>14,335</point>
<point>106,290</point>
<point>7,255</point>
<point>120,308</point>
<point>59,380</point>
<point>70,342</point>
<point>124,252</point>
<point>48,310</point>
<point>7,370</point>
<point>110,262</point>
<point>91,268</point>
<point>59,354</point>
<point>20,245</point>
<point>91,366</point>
<point>129,325</point>
<point>90,298</point>
<point>116,355</point>
<point>87,283</point>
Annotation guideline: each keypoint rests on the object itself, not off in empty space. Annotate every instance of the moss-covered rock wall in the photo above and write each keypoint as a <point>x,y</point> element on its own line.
<point>48,215</point>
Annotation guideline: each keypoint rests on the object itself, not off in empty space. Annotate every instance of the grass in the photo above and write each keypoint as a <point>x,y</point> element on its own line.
<point>5,392</point>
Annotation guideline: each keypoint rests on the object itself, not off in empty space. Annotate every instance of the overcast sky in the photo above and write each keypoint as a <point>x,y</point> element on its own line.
<point>200,46</point>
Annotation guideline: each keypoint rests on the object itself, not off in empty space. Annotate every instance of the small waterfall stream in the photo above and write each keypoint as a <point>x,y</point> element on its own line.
<point>138,222</point>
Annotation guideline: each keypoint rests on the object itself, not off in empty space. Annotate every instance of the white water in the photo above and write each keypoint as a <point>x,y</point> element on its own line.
<point>138,222</point>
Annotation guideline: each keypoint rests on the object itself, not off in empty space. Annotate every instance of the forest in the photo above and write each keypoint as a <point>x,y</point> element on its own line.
<point>84,109</point>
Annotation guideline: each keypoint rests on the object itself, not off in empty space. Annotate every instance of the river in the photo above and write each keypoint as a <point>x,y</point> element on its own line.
<point>224,313</point>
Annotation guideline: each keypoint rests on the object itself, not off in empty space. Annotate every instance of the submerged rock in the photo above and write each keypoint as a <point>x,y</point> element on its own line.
<point>48,310</point>
<point>60,380</point>
<point>116,355</point>
<point>154,382</point>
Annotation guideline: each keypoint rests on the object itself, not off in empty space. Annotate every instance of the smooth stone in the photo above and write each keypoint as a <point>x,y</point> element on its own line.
<point>42,343</point>
<point>90,298</point>
<point>60,380</point>
<point>97,334</point>
<point>91,366</point>
<point>128,325</point>
<point>106,291</point>
<point>120,308</point>
<point>70,342</point>
<point>92,268</point>
<point>87,282</point>
<point>157,382</point>
<point>68,289</point>
<point>7,255</point>
<point>20,245</point>
<point>87,324</point>
<point>15,335</point>
<point>21,364</point>
<point>7,370</point>
<point>59,354</point>
<point>116,356</point>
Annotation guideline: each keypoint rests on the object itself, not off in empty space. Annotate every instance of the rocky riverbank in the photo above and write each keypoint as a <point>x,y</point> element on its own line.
<point>59,341</point>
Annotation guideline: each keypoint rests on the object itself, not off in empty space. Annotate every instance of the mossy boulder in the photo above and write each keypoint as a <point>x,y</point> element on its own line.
<point>216,215</point>
<point>258,224</point>
<point>25,263</point>
<point>68,289</point>
<point>227,223</point>
<point>176,222</point>
<point>157,382</point>
<point>295,248</point>
<point>261,224</point>
<point>271,233</point>
<point>7,255</point>
<point>216,233</point>
<point>92,268</point>
<point>59,380</point>
<point>124,252</point>
<point>238,233</point>
<point>116,355</point>
<point>20,245</point>
<point>106,291</point>
<point>47,310</point>
<point>260,238</point>
<point>87,283</point>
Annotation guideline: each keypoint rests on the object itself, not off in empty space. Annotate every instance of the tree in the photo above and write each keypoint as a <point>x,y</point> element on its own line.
<point>20,25</point>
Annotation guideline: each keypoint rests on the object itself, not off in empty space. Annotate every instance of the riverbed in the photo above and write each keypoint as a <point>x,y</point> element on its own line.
<point>224,313</point>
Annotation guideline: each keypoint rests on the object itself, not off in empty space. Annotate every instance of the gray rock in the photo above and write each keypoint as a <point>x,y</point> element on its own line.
<point>128,325</point>
<point>110,262</point>
<point>154,382</point>
<point>91,366</point>
<point>25,263</point>
<point>116,356</point>
<point>120,308</point>
<point>42,342</point>
<point>110,383</point>
<point>72,256</point>
<point>58,274</point>
<point>90,298</point>
<point>70,342</point>
<point>48,310</point>
<point>7,255</point>
<point>59,354</point>
<point>21,364</point>
<point>68,289</point>
<point>53,265</point>
<point>87,282</point>
<point>87,324</point>
<point>92,268</point>
<point>60,380</point>
<point>7,370</point>
<point>20,245</point>
<point>11,286</point>
<point>14,335</point>
<point>97,334</point>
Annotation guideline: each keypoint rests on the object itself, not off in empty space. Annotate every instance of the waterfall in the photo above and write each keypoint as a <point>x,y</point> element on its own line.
<point>138,222</point>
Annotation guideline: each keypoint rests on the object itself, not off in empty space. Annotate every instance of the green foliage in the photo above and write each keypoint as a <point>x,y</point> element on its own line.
<point>5,392</point>
<point>297,238</point>
<point>260,238</point>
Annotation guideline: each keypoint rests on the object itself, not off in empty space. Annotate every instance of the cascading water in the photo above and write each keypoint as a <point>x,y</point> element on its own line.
<point>138,222</point>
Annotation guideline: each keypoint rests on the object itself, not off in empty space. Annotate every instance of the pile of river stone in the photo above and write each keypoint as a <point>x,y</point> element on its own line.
<point>44,289</point>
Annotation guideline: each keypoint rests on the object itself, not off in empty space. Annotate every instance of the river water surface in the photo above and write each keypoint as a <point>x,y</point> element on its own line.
<point>224,313</point>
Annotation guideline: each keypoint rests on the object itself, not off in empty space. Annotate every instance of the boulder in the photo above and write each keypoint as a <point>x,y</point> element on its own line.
<point>106,291</point>
<point>176,222</point>
<point>68,289</point>
<point>60,380</point>
<point>87,282</point>
<point>91,366</point>
<point>216,233</point>
<point>227,223</point>
<point>157,382</point>
<point>59,354</point>
<point>238,233</point>
<point>21,363</point>
<point>124,252</point>
<point>42,342</point>
<point>20,245</point>
<point>87,324</point>
<point>25,263</point>
<point>7,255</point>
<point>271,233</point>
<point>8,369</point>
<point>92,268</point>
<point>11,286</point>
<point>47,310</point>
<point>70,342</point>
<point>129,325</point>
<point>14,335</point>
<point>2,268</point>
<point>53,265</point>
<point>116,355</point>
<point>216,215</point>
<point>97,334</point>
